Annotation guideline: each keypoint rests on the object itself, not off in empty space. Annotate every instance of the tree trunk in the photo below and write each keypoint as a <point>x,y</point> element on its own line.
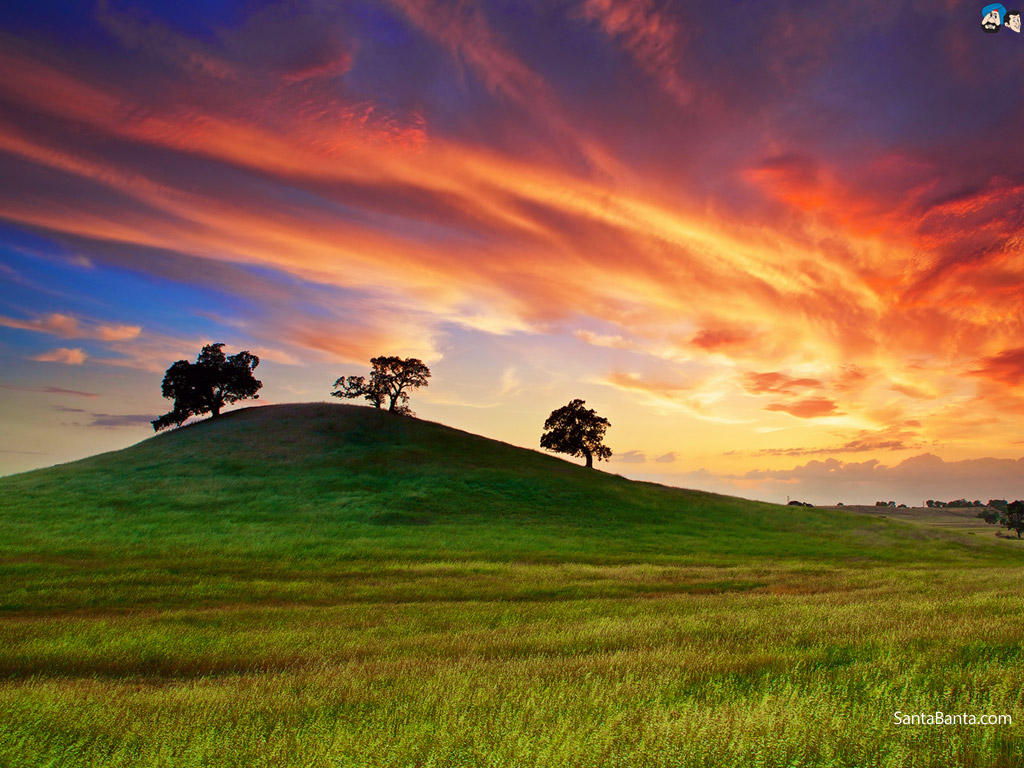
<point>590,458</point>
<point>393,405</point>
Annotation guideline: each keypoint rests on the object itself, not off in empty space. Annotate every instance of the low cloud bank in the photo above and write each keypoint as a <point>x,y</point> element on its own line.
<point>912,481</point>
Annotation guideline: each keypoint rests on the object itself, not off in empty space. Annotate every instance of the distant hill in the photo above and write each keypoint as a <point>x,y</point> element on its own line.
<point>314,483</point>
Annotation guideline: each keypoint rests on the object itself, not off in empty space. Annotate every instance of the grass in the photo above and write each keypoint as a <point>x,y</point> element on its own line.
<point>323,585</point>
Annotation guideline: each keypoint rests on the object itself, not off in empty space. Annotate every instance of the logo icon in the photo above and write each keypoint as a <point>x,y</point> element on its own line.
<point>992,17</point>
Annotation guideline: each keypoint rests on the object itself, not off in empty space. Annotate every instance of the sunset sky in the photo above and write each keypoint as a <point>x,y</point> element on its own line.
<point>779,245</point>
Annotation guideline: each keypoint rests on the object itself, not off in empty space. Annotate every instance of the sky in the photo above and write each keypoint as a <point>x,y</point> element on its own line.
<point>779,245</point>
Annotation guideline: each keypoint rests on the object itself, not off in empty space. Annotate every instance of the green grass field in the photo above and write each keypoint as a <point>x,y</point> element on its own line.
<point>328,585</point>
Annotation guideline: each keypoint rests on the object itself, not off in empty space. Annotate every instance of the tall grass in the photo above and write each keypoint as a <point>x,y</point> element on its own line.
<point>328,586</point>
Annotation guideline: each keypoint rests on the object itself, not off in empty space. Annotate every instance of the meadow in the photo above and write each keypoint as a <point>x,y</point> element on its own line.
<point>328,585</point>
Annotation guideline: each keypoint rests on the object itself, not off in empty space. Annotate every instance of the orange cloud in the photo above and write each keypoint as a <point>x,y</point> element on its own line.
<point>117,332</point>
<point>807,408</point>
<point>721,339</point>
<point>62,355</point>
<point>659,388</point>
<point>914,391</point>
<point>776,382</point>
<point>466,182</point>
<point>898,438</point>
<point>56,324</point>
<point>71,327</point>
<point>613,341</point>
<point>1007,367</point>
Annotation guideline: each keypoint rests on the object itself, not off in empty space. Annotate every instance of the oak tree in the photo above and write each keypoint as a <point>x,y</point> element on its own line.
<point>207,385</point>
<point>389,382</point>
<point>577,431</point>
<point>1014,518</point>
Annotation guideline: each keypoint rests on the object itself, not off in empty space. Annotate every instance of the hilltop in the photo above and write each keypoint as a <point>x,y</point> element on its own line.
<point>324,482</point>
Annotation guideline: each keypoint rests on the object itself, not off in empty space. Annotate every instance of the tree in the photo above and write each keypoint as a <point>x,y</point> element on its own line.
<point>990,516</point>
<point>388,382</point>
<point>208,384</point>
<point>1012,520</point>
<point>577,431</point>
<point>358,386</point>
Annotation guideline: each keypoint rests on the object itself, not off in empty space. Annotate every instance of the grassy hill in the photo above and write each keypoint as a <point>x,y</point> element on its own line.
<point>330,585</point>
<point>326,482</point>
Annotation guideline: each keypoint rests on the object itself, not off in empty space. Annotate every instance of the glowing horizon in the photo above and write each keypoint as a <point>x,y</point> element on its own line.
<point>777,269</point>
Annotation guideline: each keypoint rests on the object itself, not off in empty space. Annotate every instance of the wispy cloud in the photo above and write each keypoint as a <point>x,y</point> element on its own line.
<point>49,390</point>
<point>62,355</point>
<point>654,40</point>
<point>113,421</point>
<point>722,339</point>
<point>631,457</point>
<point>1006,367</point>
<point>896,438</point>
<point>806,408</point>
<point>775,382</point>
<point>71,327</point>
<point>107,420</point>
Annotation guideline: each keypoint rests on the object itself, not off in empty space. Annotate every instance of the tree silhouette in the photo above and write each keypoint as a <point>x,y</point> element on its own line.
<point>208,384</point>
<point>389,379</point>
<point>358,386</point>
<point>577,431</point>
<point>1014,519</point>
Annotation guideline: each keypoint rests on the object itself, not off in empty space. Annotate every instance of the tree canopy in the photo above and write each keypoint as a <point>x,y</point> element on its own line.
<point>1012,518</point>
<point>577,431</point>
<point>208,384</point>
<point>390,378</point>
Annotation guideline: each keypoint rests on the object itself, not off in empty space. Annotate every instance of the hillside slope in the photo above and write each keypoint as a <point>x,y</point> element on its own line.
<point>311,483</point>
